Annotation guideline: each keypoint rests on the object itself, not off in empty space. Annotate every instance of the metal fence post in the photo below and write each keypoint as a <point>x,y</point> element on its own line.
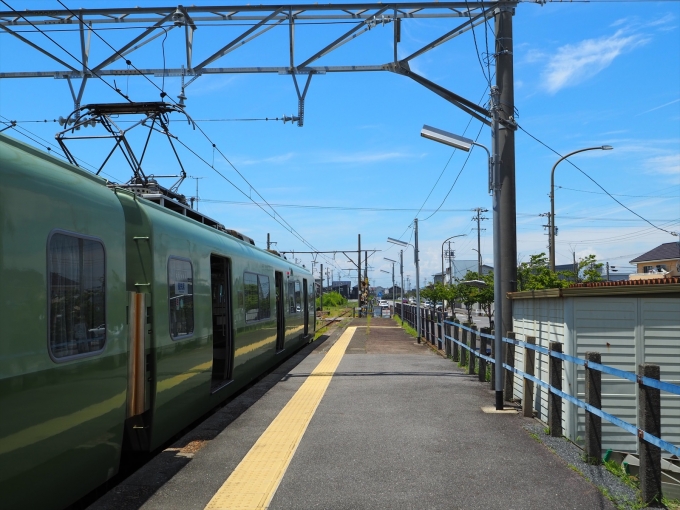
<point>593,444</point>
<point>447,342</point>
<point>649,420</point>
<point>492,382</point>
<point>464,341</point>
<point>473,345</point>
<point>433,327</point>
<point>528,390</point>
<point>455,355</point>
<point>440,329</point>
<point>555,401</point>
<point>510,361</point>
<point>482,350</point>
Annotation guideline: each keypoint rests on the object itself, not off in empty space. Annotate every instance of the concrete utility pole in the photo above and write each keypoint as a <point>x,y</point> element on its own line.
<point>401,270</point>
<point>359,273</point>
<point>506,151</point>
<point>478,218</point>
<point>321,288</point>
<point>415,254</point>
<point>269,244</point>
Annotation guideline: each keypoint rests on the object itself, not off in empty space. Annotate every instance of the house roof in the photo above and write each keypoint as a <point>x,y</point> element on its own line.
<point>662,252</point>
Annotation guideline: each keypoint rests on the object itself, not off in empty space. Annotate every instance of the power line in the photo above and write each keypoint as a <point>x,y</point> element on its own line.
<point>66,51</point>
<point>620,194</point>
<point>598,184</point>
<point>163,94</point>
<point>331,207</point>
<point>457,176</point>
<point>287,225</point>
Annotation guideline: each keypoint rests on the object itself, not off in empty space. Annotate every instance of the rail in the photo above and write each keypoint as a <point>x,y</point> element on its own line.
<point>465,339</point>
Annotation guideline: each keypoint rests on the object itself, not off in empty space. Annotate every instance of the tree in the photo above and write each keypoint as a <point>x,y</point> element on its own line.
<point>468,295</point>
<point>589,270</point>
<point>486,295</point>
<point>536,274</point>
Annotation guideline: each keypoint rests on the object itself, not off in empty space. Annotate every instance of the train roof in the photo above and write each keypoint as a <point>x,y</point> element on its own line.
<point>153,194</point>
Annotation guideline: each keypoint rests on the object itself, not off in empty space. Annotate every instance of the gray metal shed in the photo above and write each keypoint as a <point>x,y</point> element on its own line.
<point>629,323</point>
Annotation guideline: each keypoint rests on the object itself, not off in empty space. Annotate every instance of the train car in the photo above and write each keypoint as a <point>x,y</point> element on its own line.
<point>125,316</point>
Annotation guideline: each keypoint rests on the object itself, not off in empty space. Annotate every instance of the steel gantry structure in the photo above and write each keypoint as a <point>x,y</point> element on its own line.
<point>256,20</point>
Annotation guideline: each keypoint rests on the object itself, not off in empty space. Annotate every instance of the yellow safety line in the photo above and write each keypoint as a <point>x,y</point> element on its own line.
<point>254,481</point>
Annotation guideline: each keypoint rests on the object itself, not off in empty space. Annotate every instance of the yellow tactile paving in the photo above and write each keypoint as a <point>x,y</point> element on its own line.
<point>255,480</point>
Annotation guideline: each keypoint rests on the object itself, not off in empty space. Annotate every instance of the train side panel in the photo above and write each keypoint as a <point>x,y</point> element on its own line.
<point>63,361</point>
<point>181,344</point>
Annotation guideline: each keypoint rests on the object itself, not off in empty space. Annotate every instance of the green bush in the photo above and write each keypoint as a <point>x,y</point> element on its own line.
<point>331,299</point>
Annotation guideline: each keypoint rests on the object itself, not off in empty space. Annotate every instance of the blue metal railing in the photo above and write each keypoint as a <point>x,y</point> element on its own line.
<point>674,389</point>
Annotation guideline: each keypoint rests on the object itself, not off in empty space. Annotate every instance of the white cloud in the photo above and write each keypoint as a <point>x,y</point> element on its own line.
<point>659,107</point>
<point>281,158</point>
<point>667,165</point>
<point>371,157</point>
<point>576,63</point>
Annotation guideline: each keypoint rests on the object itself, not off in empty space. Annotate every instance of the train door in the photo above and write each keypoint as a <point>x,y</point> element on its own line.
<point>305,302</point>
<point>223,338</point>
<point>280,329</point>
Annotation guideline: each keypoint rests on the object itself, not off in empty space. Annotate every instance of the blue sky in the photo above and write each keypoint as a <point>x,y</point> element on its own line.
<point>587,74</point>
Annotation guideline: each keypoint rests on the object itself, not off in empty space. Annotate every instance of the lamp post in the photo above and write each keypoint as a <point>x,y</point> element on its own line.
<point>459,235</point>
<point>466,144</point>
<point>394,307</point>
<point>551,230</point>
<point>415,257</point>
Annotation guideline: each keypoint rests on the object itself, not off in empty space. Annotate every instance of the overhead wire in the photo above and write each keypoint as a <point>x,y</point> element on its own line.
<point>620,194</point>
<point>115,89</point>
<point>50,147</point>
<point>457,176</point>
<point>290,228</point>
<point>598,184</point>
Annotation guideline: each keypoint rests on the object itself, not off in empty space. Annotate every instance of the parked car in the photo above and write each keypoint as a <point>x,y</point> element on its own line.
<point>383,303</point>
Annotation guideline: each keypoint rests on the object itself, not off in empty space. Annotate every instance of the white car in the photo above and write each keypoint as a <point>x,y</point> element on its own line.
<point>382,303</point>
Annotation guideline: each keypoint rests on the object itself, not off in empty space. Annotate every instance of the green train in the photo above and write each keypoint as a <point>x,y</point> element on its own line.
<point>125,316</point>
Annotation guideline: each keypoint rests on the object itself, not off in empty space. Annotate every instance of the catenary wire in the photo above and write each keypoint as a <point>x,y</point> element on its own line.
<point>598,184</point>
<point>289,227</point>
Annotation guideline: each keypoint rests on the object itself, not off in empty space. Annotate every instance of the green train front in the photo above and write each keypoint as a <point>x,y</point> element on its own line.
<point>123,320</point>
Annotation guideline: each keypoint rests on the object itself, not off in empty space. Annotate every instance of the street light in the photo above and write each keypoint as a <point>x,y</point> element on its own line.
<point>415,258</point>
<point>551,233</point>
<point>443,277</point>
<point>465,144</point>
<point>394,306</point>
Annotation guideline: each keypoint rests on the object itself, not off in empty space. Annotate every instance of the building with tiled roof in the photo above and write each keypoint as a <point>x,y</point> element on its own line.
<point>660,262</point>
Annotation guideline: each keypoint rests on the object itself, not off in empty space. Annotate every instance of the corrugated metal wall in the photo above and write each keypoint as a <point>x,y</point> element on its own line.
<point>626,331</point>
<point>543,319</point>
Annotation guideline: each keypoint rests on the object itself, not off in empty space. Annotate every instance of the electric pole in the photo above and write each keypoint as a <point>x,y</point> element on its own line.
<point>415,253</point>
<point>196,179</point>
<point>359,299</point>
<point>478,218</point>
<point>550,237</point>
<point>506,262</point>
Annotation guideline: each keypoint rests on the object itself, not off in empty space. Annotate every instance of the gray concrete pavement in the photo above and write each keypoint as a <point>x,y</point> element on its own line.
<point>398,427</point>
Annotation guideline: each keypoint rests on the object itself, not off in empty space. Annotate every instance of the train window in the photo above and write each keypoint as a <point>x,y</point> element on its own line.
<point>294,297</point>
<point>77,292</point>
<point>298,297</point>
<point>181,297</point>
<point>257,301</point>
<point>265,302</point>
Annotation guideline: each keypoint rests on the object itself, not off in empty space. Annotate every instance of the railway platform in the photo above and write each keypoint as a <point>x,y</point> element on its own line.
<point>362,418</point>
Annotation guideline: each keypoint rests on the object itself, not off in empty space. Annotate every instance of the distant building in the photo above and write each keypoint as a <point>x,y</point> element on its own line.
<point>460,269</point>
<point>614,275</point>
<point>660,262</point>
<point>342,287</point>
